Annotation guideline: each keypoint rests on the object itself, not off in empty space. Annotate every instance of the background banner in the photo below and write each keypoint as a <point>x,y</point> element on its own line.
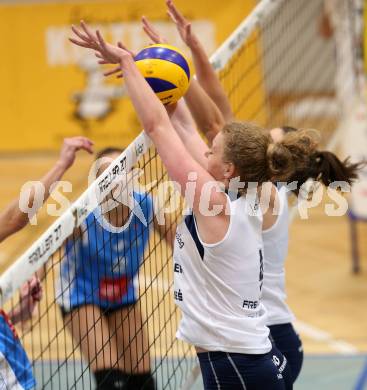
<point>51,89</point>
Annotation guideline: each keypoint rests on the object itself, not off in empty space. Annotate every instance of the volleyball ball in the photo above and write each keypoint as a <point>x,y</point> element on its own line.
<point>166,70</point>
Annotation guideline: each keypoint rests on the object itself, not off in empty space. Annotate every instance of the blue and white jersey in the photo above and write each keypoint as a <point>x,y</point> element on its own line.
<point>218,286</point>
<point>100,267</point>
<point>15,368</point>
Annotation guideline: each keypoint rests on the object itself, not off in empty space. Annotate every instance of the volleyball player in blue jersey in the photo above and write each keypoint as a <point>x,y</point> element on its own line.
<point>319,165</point>
<point>15,368</point>
<point>98,293</point>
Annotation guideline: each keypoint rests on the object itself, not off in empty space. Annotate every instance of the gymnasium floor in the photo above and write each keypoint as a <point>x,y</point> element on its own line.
<point>329,301</point>
<point>326,372</point>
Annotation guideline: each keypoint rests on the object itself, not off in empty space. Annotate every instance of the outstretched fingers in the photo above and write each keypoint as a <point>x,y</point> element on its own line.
<point>88,31</point>
<point>182,24</point>
<point>105,52</point>
<point>102,59</point>
<point>82,44</point>
<point>87,39</point>
<point>188,30</point>
<point>101,41</point>
<point>79,34</point>
<point>123,47</point>
<point>172,17</point>
<point>174,13</point>
<point>151,31</point>
<point>117,69</point>
<point>98,55</point>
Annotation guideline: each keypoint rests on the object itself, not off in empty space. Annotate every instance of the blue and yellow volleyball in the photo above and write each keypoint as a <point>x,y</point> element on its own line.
<point>166,70</point>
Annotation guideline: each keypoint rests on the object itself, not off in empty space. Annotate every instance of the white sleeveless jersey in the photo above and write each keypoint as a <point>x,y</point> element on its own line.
<point>275,252</point>
<point>218,286</point>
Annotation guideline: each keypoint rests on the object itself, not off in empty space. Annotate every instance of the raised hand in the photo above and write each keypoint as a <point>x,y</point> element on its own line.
<point>110,54</point>
<point>152,33</point>
<point>87,38</point>
<point>30,294</point>
<point>182,24</point>
<point>107,53</point>
<point>117,69</point>
<point>70,147</point>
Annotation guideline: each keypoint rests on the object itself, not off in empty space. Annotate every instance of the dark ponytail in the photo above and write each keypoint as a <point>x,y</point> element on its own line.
<point>289,158</point>
<point>326,167</point>
<point>310,163</point>
<point>280,162</point>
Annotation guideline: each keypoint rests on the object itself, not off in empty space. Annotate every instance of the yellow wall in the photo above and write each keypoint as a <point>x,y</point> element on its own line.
<point>365,35</point>
<point>38,84</point>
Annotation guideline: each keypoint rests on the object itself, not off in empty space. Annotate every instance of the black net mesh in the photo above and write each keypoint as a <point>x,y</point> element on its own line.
<point>283,75</point>
<point>129,274</point>
<point>285,72</point>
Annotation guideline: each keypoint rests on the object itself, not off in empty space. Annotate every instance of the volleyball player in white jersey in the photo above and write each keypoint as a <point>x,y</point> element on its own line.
<point>15,368</point>
<point>218,271</point>
<point>324,166</point>
<point>207,118</point>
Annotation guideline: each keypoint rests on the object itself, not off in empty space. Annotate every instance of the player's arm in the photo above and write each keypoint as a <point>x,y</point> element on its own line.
<point>206,114</point>
<point>201,107</point>
<point>184,125</point>
<point>155,121</point>
<point>12,218</point>
<point>30,294</point>
<point>206,75</point>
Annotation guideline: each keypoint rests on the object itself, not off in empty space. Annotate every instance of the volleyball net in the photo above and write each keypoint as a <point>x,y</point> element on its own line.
<point>276,70</point>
